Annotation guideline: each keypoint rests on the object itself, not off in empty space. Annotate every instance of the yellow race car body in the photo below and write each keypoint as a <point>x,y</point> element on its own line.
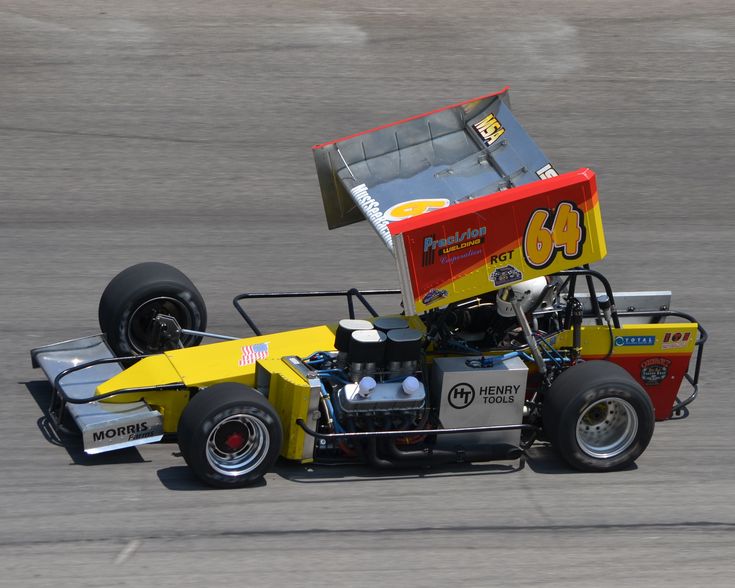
<point>505,333</point>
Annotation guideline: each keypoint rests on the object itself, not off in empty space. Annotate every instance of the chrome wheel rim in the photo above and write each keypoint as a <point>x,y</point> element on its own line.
<point>237,445</point>
<point>607,428</point>
<point>141,319</point>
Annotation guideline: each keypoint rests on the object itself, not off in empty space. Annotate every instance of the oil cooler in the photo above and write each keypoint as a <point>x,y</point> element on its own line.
<point>479,396</point>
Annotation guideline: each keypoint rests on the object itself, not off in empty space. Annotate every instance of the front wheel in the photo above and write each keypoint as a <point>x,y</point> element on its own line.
<point>598,417</point>
<point>229,435</point>
<point>136,296</point>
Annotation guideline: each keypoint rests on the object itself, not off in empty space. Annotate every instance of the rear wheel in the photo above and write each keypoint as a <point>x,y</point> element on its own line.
<point>598,417</point>
<point>229,435</point>
<point>134,298</point>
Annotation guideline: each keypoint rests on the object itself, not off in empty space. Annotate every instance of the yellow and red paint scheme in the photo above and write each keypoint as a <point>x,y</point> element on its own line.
<point>672,344</point>
<point>456,250</point>
<point>638,348</point>
<point>445,253</point>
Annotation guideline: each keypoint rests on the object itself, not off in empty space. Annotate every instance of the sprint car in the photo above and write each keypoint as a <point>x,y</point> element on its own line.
<point>505,335</point>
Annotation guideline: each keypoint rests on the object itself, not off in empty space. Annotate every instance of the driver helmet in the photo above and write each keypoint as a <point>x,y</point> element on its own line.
<point>528,293</point>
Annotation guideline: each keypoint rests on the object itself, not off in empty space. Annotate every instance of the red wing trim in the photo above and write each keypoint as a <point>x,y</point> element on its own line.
<point>398,122</point>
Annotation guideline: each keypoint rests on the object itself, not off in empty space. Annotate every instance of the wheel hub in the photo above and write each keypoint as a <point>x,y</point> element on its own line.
<point>235,441</point>
<point>147,333</point>
<point>607,428</point>
<point>237,445</point>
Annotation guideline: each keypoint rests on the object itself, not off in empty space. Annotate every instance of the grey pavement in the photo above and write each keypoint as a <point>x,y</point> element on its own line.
<point>180,131</point>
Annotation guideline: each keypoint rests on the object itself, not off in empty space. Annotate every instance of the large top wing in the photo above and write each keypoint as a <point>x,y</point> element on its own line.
<point>427,162</point>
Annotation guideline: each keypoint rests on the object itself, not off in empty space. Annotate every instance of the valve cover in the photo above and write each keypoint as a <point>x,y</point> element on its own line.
<point>387,396</point>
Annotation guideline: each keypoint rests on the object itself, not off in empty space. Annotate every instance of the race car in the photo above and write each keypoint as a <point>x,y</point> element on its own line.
<point>505,335</point>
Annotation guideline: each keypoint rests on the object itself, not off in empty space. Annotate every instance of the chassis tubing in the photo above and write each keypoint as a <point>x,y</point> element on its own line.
<point>368,434</point>
<point>398,458</point>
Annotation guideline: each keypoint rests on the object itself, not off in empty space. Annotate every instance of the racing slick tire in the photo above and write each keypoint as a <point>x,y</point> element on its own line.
<point>598,417</point>
<point>230,435</point>
<point>136,295</point>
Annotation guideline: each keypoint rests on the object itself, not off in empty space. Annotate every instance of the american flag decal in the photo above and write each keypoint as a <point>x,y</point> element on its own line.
<point>252,353</point>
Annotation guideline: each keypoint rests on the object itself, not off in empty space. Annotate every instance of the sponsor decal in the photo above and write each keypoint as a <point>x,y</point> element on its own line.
<point>453,258</point>
<point>411,208</point>
<point>546,172</point>
<point>371,209</point>
<point>675,340</point>
<point>635,341</point>
<point>505,275</point>
<point>456,243</point>
<point>655,370</point>
<point>489,129</point>
<point>499,394</point>
<point>501,257</point>
<point>131,432</point>
<point>461,396</point>
<point>433,295</point>
<point>252,353</point>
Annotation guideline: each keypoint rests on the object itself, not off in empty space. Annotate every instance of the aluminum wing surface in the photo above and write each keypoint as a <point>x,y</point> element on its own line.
<point>427,162</point>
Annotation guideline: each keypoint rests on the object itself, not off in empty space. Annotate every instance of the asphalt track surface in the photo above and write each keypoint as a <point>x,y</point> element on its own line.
<point>179,131</point>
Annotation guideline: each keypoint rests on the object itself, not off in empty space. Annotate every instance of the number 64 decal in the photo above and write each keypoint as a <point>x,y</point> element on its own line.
<point>549,232</point>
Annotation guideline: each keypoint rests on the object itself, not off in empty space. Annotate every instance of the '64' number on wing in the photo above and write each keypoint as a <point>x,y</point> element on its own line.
<point>549,232</point>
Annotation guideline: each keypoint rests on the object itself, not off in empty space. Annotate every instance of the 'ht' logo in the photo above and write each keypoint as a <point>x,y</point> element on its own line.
<point>461,395</point>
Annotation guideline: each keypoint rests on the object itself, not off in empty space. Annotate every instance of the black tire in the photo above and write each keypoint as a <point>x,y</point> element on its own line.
<point>598,417</point>
<point>133,298</point>
<point>230,435</point>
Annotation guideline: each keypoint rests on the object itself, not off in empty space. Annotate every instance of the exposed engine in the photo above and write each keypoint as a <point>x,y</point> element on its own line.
<point>384,388</point>
<point>377,381</point>
<point>373,382</point>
